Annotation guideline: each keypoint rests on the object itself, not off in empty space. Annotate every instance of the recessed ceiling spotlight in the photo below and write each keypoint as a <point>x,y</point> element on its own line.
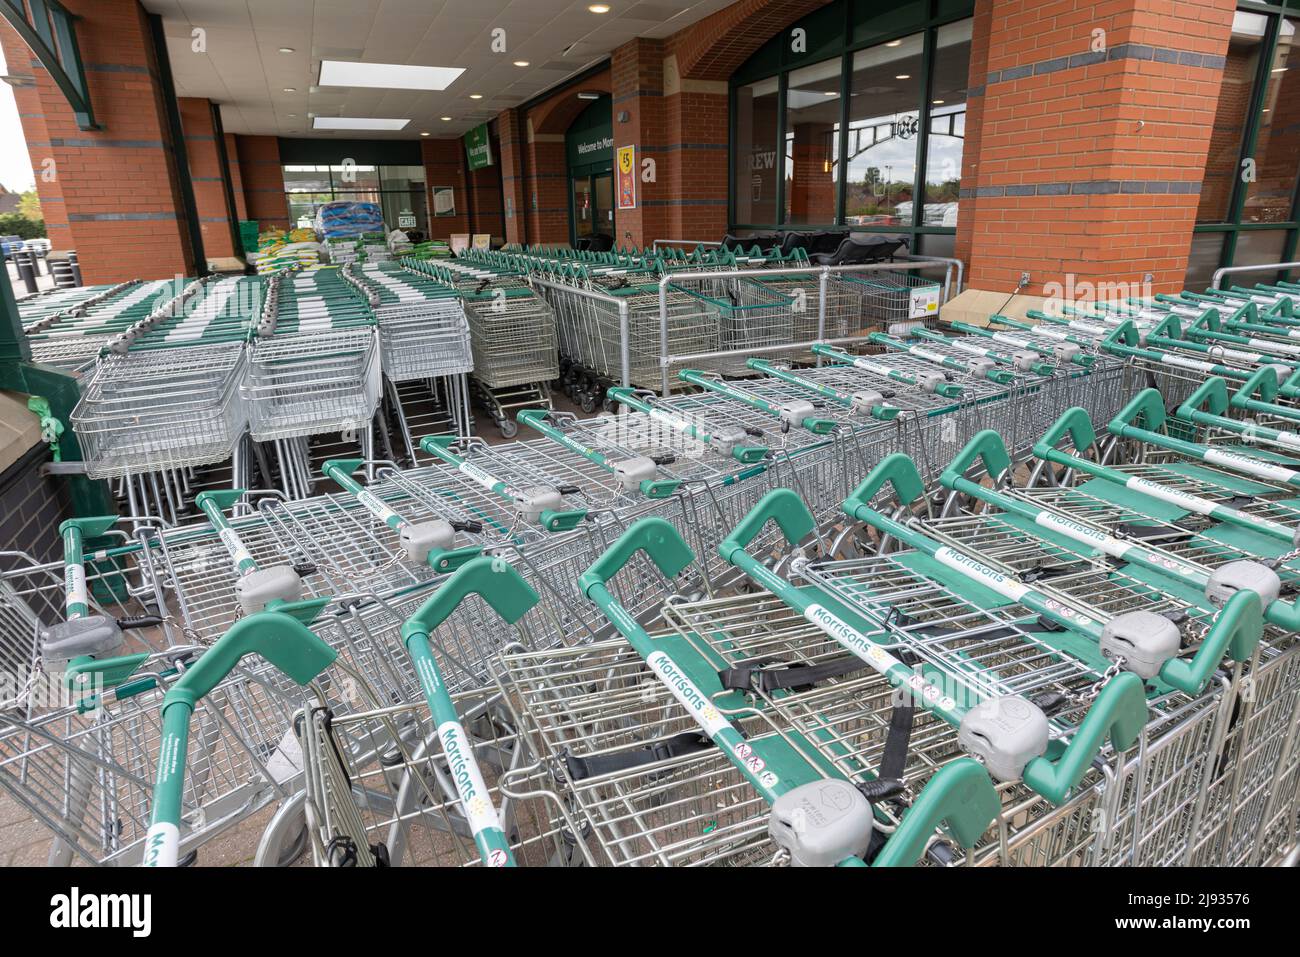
<point>446,119</point>
<point>894,43</point>
<point>521,63</point>
<point>476,96</point>
<point>289,89</point>
<point>937,102</point>
<point>292,115</point>
<point>903,76</point>
<point>587,95</point>
<point>286,49</point>
<point>599,8</point>
<point>425,134</point>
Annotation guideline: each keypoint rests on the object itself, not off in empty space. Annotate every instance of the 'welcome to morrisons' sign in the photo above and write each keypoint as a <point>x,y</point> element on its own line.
<point>478,148</point>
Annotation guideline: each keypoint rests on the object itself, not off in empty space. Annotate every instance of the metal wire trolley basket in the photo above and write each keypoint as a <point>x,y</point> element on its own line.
<point>423,331</point>
<point>314,364</point>
<point>161,409</point>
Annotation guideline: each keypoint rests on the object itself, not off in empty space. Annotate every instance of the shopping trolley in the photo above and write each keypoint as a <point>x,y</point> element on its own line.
<point>896,300</point>
<point>162,409</point>
<point>1022,361</point>
<point>1173,491</point>
<point>78,757</point>
<point>424,347</point>
<point>1033,704</point>
<point>313,370</point>
<point>591,337</point>
<point>71,336</point>
<point>1046,342</point>
<point>944,359</point>
<point>423,331</point>
<point>785,768</point>
<point>512,336</point>
<point>407,801</point>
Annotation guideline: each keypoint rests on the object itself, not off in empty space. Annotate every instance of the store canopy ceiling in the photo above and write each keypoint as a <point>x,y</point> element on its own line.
<point>240,65</point>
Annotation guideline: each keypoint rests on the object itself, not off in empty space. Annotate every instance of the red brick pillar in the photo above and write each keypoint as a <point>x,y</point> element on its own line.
<point>484,189</point>
<point>115,195</point>
<point>514,211</point>
<point>637,76</point>
<point>696,126</point>
<point>444,165</point>
<point>1089,151</point>
<point>236,178</point>
<point>209,177</point>
<point>546,185</point>
<point>263,180</point>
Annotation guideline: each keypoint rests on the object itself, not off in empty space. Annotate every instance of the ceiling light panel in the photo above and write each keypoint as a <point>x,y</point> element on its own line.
<point>387,76</point>
<point>357,123</point>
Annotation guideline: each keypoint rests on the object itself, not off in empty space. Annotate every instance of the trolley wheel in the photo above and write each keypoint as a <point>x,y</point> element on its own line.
<point>607,404</point>
<point>588,403</point>
<point>508,428</point>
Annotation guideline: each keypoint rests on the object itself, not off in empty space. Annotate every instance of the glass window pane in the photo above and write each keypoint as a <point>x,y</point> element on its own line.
<point>947,124</point>
<point>883,121</point>
<point>812,143</point>
<point>354,177</point>
<point>755,153</point>
<point>1255,247</point>
<point>305,179</point>
<point>938,244</point>
<point>1277,147</point>
<point>401,177</point>
<point>1222,165</point>
<point>1205,257</point>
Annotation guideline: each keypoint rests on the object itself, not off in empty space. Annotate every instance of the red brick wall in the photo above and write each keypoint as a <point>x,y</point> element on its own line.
<point>1088,166</point>
<point>207,176</point>
<point>118,186</point>
<point>444,166</point>
<point>263,180</point>
<point>513,185</point>
<point>637,78</point>
<point>236,178</point>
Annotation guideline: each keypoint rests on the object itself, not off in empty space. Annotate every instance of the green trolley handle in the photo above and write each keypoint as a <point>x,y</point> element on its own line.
<point>1235,630</point>
<point>789,416</point>
<point>1206,406</point>
<point>432,542</point>
<point>936,383</point>
<point>538,504</point>
<point>501,586</point>
<point>987,448</point>
<point>998,376</point>
<point>1144,417</point>
<point>281,636</point>
<point>733,445</point>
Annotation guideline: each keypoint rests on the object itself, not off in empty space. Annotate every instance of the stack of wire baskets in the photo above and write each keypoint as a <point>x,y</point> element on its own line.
<point>512,330</point>
<point>71,335</point>
<point>314,363</point>
<point>423,331</point>
<point>165,393</point>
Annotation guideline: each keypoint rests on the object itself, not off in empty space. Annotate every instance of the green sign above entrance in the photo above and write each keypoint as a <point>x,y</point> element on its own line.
<point>478,148</point>
<point>589,141</point>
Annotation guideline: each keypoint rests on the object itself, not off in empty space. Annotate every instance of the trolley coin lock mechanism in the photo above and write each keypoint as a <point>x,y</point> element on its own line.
<point>1006,734</point>
<point>1226,580</point>
<point>1143,639</point>
<point>262,586</point>
<point>821,823</point>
